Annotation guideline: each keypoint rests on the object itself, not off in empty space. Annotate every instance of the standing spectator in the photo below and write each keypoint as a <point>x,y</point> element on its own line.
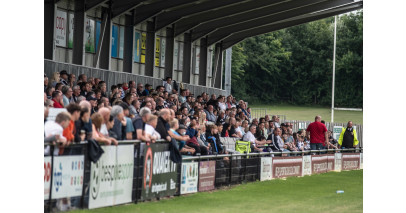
<point>64,77</point>
<point>318,134</point>
<point>57,99</point>
<point>129,128</point>
<point>150,128</point>
<point>348,137</point>
<point>139,124</point>
<point>67,95</point>
<point>163,127</point>
<point>56,128</point>
<point>119,122</point>
<point>69,132</point>
<point>81,132</point>
<point>97,120</point>
<point>168,85</point>
<point>93,103</point>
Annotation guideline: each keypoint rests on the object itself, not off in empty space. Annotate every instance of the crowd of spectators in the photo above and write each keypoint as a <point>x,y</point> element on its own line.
<point>136,111</point>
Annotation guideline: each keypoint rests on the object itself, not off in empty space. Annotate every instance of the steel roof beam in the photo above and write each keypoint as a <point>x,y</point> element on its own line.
<point>193,21</point>
<point>90,4</point>
<point>210,26</point>
<point>240,36</point>
<point>222,33</point>
<point>169,17</point>
<point>144,12</point>
<point>119,7</point>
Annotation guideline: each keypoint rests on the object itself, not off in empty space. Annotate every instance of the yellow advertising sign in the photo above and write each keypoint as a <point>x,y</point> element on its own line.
<point>143,47</point>
<point>157,49</point>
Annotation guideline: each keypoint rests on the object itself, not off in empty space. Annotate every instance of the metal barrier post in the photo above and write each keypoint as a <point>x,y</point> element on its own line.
<point>137,172</point>
<point>230,162</point>
<point>51,178</point>
<point>85,162</point>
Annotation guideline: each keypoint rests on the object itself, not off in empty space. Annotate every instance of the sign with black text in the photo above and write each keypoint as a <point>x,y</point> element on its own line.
<point>207,173</point>
<point>189,178</point>
<point>159,175</point>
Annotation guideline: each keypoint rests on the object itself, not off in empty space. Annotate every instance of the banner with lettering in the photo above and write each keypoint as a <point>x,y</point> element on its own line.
<point>322,163</point>
<point>337,162</point>
<point>159,175</point>
<point>67,176</point>
<point>60,28</point>
<point>207,175</point>
<point>286,167</point>
<point>266,168</point>
<point>350,161</point>
<point>111,178</point>
<point>189,178</point>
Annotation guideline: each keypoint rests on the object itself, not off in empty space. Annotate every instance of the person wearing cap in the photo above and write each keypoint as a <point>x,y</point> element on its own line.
<point>64,77</point>
<point>93,103</point>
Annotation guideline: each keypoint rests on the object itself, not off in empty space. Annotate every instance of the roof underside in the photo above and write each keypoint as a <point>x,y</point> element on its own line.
<point>226,21</point>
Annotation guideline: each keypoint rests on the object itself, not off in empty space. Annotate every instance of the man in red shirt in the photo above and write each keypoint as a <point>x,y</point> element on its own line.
<point>318,134</point>
<point>57,98</point>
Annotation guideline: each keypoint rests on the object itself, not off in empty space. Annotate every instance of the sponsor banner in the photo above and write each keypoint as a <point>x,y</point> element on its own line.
<point>157,50</point>
<point>337,131</point>
<point>266,168</point>
<point>189,178</point>
<point>67,177</point>
<point>337,162</point>
<point>53,112</point>
<point>70,31</point>
<point>197,60</point>
<point>175,55</point>
<point>307,165</point>
<point>180,64</point>
<point>163,49</point>
<point>286,167</point>
<point>121,43</point>
<point>114,41</point>
<point>98,29</point>
<point>159,175</point>
<point>207,173</point>
<point>47,176</point>
<point>137,48</point>
<point>143,47</point>
<point>89,35</point>
<point>60,28</point>
<point>322,163</point>
<point>302,126</point>
<point>362,161</point>
<point>350,161</point>
<point>111,178</point>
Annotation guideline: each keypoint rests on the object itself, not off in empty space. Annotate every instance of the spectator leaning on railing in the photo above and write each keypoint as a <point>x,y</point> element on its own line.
<point>318,134</point>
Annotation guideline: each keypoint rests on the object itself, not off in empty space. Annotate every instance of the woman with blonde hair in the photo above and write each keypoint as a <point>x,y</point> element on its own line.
<point>55,79</point>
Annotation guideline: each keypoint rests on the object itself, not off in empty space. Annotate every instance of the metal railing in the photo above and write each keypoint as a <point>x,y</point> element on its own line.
<point>229,169</point>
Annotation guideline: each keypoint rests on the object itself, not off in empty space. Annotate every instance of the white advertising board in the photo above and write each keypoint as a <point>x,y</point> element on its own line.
<point>67,177</point>
<point>337,162</point>
<point>307,165</point>
<point>266,168</point>
<point>337,131</point>
<point>111,178</point>
<point>53,112</point>
<point>60,28</point>
<point>189,178</point>
<point>47,176</point>
<point>362,160</point>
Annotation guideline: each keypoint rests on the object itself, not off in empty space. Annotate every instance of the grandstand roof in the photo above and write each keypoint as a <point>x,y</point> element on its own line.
<point>227,21</point>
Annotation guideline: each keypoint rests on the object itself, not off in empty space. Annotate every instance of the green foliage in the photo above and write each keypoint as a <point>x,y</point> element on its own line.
<point>294,65</point>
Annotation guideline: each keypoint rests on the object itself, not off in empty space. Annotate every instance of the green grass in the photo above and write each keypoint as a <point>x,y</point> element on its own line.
<point>316,193</point>
<point>307,113</point>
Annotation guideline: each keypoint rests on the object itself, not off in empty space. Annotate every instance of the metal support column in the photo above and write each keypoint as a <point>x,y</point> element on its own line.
<point>187,56</point>
<point>170,39</point>
<point>334,68</point>
<point>227,76</point>
<point>218,70</point>
<point>128,60</point>
<point>150,51</point>
<point>78,56</point>
<point>49,29</point>
<point>105,47</point>
<point>203,62</point>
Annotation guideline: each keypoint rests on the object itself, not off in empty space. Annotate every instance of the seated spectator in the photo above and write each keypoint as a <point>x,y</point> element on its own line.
<point>147,90</point>
<point>150,128</point>
<point>168,85</point>
<point>209,114</point>
<point>249,137</point>
<point>55,79</point>
<point>64,77</point>
<point>332,143</point>
<point>244,127</point>
<point>93,103</point>
<point>46,83</point>
<point>180,130</point>
<point>261,131</point>
<point>49,90</point>
<point>57,99</point>
<point>66,95</point>
<point>226,130</point>
<point>221,118</point>
<point>140,89</point>
<point>82,78</point>
<point>71,80</point>
<point>213,138</point>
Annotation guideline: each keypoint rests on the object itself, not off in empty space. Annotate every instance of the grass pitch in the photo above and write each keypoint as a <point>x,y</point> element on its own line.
<point>307,113</point>
<point>316,193</point>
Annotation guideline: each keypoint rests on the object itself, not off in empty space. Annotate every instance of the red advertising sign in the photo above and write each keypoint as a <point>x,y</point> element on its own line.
<point>207,173</point>
<point>350,161</point>
<point>286,167</point>
<point>322,163</point>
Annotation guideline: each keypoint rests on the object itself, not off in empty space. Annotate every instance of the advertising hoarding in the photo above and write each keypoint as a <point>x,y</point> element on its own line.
<point>189,178</point>
<point>207,175</point>
<point>67,176</point>
<point>286,167</point>
<point>266,168</point>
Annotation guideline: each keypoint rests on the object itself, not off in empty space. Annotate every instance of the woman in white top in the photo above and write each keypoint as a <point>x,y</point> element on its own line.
<point>221,103</point>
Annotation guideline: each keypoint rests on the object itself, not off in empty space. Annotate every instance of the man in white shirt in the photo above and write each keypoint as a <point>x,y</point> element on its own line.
<point>249,136</point>
<point>56,127</point>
